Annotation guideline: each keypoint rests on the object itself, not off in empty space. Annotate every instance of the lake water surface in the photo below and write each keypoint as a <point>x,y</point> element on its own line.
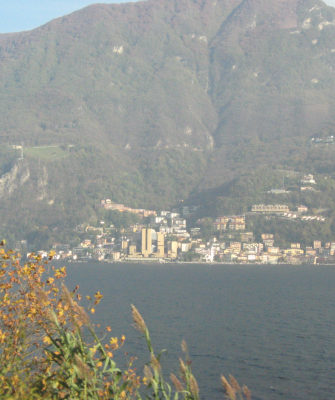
<point>272,327</point>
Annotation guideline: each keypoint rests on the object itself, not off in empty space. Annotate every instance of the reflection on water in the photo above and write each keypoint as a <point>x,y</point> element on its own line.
<point>270,326</point>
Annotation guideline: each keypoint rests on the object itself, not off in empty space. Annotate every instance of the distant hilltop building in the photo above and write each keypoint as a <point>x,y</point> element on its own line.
<point>118,49</point>
<point>267,236</point>
<point>302,209</point>
<point>107,204</point>
<point>278,191</point>
<point>270,208</point>
<point>308,180</point>
<point>232,223</point>
<point>326,140</point>
<point>307,188</point>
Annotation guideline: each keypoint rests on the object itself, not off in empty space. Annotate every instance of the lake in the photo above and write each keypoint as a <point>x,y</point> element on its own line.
<point>272,327</point>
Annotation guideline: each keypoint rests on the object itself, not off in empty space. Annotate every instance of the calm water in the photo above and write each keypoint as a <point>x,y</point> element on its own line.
<point>272,327</point>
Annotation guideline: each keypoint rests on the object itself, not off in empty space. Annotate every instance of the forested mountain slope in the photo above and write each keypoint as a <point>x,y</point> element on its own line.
<point>149,102</point>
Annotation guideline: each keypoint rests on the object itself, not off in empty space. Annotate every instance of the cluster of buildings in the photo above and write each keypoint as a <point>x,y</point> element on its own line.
<point>107,204</point>
<point>247,251</point>
<point>307,183</point>
<point>165,237</point>
<point>283,211</point>
<point>148,244</point>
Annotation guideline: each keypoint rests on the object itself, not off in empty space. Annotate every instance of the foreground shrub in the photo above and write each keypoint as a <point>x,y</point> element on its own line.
<point>49,348</point>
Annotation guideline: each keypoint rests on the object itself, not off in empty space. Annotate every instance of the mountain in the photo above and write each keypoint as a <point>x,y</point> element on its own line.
<point>154,102</point>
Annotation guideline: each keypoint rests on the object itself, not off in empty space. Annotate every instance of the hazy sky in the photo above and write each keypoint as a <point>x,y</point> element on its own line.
<point>20,15</point>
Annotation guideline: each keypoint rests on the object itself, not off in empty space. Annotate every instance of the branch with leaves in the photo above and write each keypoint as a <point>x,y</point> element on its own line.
<point>49,348</point>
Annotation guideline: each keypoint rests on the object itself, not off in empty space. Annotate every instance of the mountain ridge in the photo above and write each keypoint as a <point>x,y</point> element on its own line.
<point>154,101</point>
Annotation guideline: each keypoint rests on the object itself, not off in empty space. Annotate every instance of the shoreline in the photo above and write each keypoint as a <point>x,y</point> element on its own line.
<point>214,263</point>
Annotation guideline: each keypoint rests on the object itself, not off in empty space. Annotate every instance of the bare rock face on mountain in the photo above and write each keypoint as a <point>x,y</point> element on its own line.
<point>148,102</point>
<point>12,180</point>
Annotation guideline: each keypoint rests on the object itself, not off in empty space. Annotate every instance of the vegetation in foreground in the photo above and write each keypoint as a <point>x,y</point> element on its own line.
<point>49,348</point>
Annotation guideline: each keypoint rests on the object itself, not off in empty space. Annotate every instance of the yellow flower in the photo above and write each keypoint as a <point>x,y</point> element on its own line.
<point>60,273</point>
<point>47,340</point>
<point>92,310</point>
<point>114,342</point>
<point>145,381</point>
<point>93,350</point>
<point>52,253</point>
<point>98,296</point>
